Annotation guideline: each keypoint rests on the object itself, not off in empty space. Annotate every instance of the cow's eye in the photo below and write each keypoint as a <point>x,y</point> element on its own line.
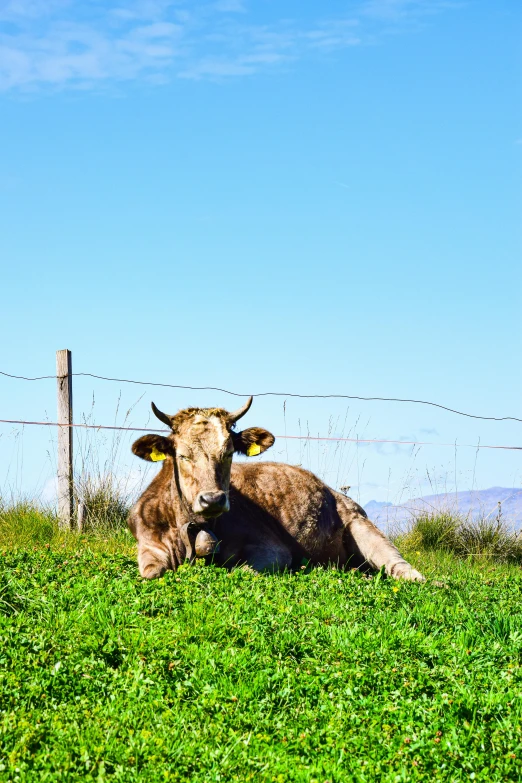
<point>185,459</point>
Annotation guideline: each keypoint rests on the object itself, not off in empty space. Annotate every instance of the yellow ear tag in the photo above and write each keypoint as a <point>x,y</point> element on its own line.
<point>157,456</point>
<point>253,449</point>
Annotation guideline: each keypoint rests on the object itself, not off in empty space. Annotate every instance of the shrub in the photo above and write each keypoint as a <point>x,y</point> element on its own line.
<point>105,504</point>
<point>489,538</point>
<point>435,531</point>
<point>462,536</point>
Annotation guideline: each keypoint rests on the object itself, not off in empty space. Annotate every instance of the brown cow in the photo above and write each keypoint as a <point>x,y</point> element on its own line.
<point>267,515</point>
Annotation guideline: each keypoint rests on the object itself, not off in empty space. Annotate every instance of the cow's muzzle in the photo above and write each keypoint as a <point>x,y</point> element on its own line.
<point>211,504</point>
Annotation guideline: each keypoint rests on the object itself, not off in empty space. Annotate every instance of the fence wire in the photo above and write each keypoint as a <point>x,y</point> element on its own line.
<point>268,393</point>
<point>279,437</point>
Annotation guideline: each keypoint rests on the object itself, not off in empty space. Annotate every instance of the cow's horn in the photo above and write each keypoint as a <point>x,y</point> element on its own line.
<point>233,417</point>
<point>161,416</point>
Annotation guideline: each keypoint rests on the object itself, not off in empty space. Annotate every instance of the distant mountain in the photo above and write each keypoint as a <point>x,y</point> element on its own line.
<point>374,507</point>
<point>475,503</point>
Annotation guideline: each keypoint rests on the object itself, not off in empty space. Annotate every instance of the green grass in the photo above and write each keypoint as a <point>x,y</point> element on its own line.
<point>24,525</point>
<point>207,676</point>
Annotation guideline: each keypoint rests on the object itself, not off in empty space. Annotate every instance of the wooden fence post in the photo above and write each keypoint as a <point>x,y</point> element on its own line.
<point>65,439</point>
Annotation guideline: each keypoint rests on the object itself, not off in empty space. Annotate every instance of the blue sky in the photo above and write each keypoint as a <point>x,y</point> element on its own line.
<point>314,198</point>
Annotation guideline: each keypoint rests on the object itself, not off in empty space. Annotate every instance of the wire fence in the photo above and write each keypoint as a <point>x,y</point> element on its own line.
<point>266,394</point>
<point>67,496</point>
<point>283,437</point>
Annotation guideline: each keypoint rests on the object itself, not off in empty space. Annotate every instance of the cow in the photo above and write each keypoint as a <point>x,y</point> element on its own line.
<point>267,516</point>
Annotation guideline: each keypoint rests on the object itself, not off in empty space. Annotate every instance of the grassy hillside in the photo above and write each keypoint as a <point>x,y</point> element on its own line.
<point>206,675</point>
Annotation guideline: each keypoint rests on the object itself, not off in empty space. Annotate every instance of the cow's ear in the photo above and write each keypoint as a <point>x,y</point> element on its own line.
<point>252,441</point>
<point>153,448</point>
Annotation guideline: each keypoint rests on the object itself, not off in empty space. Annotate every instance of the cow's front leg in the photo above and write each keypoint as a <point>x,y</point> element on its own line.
<point>379,551</point>
<point>364,539</point>
<point>153,557</point>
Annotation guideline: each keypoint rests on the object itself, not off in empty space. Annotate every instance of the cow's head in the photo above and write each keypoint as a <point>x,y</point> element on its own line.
<point>202,444</point>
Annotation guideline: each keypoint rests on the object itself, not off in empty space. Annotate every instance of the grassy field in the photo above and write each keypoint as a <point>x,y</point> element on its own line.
<point>207,675</point>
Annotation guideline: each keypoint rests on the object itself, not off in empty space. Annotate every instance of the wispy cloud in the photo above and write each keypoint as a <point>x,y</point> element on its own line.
<point>397,10</point>
<point>230,6</point>
<point>58,43</point>
<point>50,48</point>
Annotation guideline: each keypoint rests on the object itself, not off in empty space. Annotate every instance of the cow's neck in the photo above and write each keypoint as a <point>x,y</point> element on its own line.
<point>182,510</point>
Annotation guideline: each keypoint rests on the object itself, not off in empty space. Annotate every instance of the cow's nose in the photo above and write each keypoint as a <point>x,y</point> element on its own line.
<point>213,500</point>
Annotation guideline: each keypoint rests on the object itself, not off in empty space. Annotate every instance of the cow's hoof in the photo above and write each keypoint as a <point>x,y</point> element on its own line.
<point>153,571</point>
<point>407,572</point>
<point>206,544</point>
